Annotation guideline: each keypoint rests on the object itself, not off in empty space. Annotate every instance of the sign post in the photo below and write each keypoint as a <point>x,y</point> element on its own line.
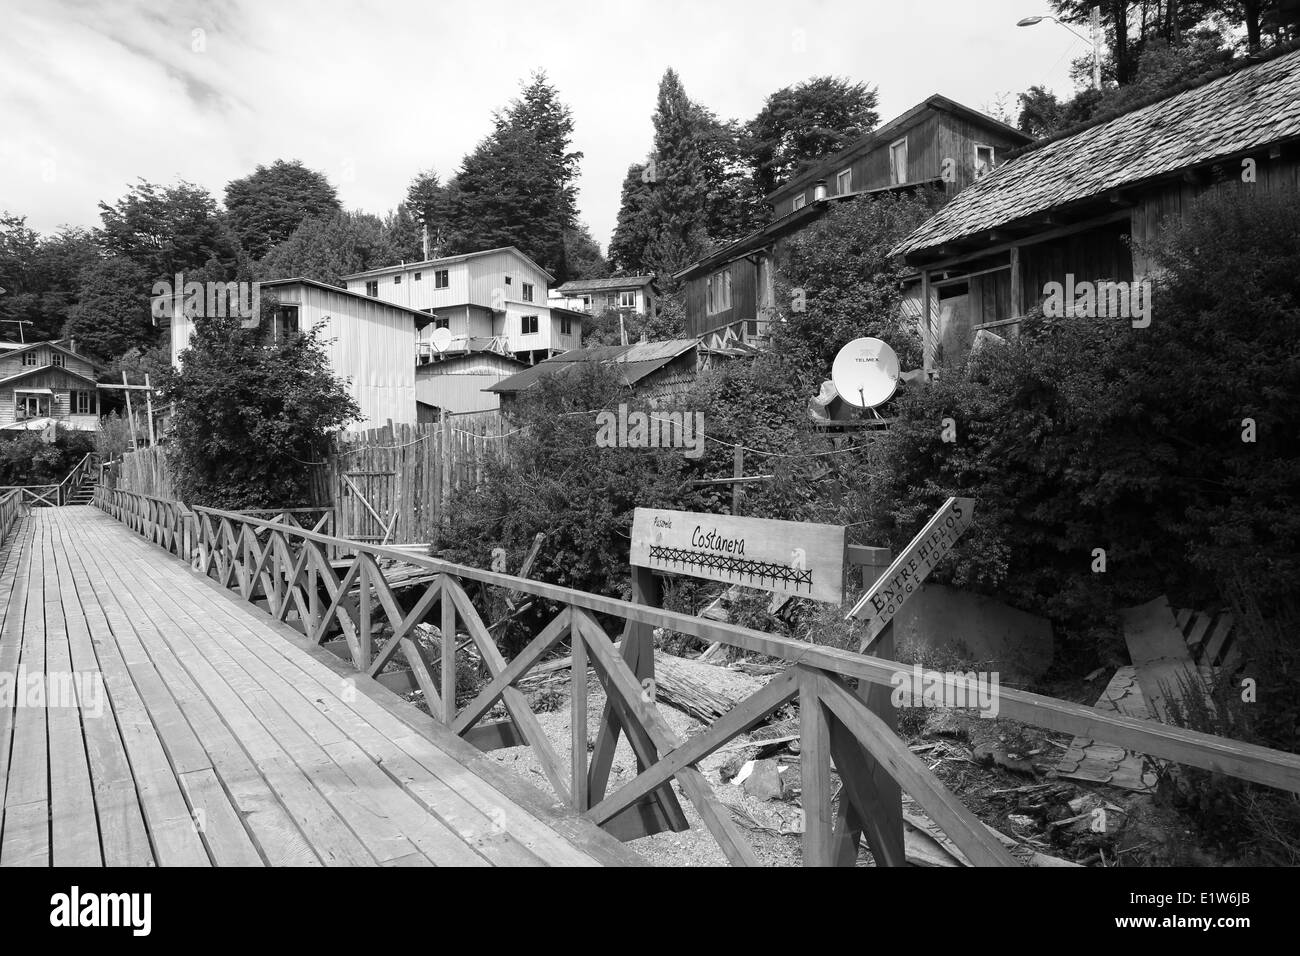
<point>912,566</point>
<point>789,557</point>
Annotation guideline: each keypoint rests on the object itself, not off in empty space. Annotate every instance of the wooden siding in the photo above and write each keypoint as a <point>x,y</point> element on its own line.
<point>744,299</point>
<point>62,386</point>
<point>11,362</point>
<point>957,139</point>
<point>1175,199</point>
<point>1101,253</point>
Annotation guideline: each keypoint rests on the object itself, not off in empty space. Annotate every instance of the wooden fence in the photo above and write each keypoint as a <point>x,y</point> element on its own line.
<point>289,571</point>
<point>53,496</point>
<point>385,485</point>
<point>11,508</point>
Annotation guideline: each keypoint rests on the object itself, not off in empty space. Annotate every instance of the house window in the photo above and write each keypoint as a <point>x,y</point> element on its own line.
<point>439,323</point>
<point>586,303</point>
<point>418,276</point>
<point>984,160</point>
<point>800,200</point>
<point>397,279</point>
<point>372,288</point>
<point>627,300</point>
<point>528,325</point>
<point>507,280</point>
<point>526,291</point>
<point>440,279</point>
<point>31,406</point>
<point>29,358</point>
<point>57,358</point>
<point>284,321</point>
<point>844,182</point>
<point>566,325</point>
<point>898,161</point>
<point>81,404</point>
<point>719,292</point>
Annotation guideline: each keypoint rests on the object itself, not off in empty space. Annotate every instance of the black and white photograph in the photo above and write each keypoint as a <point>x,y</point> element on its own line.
<point>649,434</point>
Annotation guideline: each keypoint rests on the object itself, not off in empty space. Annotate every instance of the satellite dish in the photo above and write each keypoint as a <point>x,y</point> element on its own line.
<point>865,372</point>
<point>441,339</point>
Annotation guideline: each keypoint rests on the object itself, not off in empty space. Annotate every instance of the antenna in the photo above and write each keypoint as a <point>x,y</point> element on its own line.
<point>865,372</point>
<point>20,323</point>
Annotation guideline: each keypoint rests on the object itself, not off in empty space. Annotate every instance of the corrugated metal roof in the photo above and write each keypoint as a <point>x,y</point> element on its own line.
<point>598,285</point>
<point>1244,110</point>
<point>632,362</point>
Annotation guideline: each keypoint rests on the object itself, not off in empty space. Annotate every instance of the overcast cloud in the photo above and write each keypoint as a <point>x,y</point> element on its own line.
<point>94,96</point>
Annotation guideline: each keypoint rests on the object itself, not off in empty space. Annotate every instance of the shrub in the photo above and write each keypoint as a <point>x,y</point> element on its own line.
<point>26,459</point>
<point>252,413</point>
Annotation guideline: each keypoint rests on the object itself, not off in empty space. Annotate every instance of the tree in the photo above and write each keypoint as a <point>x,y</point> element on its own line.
<point>267,205</point>
<point>517,187</point>
<point>839,283</point>
<point>39,275</point>
<point>167,230</point>
<point>806,122</point>
<point>252,413</point>
<point>328,249</point>
<point>112,314</point>
<point>583,255</point>
<point>430,202</point>
<point>634,229</point>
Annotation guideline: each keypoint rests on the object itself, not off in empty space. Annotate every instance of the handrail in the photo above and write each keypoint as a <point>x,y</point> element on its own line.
<point>287,567</point>
<point>11,506</point>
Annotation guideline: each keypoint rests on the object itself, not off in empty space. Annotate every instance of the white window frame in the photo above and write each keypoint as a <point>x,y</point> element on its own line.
<point>57,359</point>
<point>566,325</point>
<point>80,397</point>
<point>526,291</point>
<point>844,181</point>
<point>372,288</point>
<point>524,322</point>
<point>586,303</point>
<point>894,177</point>
<point>800,201</point>
<point>718,296</point>
<point>993,158</point>
<point>31,358</point>
<point>397,279</point>
<point>630,302</point>
<point>441,278</point>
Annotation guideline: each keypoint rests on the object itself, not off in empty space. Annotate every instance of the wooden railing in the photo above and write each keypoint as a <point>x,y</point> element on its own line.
<point>52,496</point>
<point>289,569</point>
<point>11,507</point>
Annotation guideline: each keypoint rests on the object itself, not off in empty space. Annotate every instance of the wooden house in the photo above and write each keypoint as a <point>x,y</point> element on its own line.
<point>1081,205</point>
<point>371,344</point>
<point>497,296</point>
<point>44,382</point>
<point>651,370</point>
<point>631,294</point>
<point>457,383</point>
<point>938,143</point>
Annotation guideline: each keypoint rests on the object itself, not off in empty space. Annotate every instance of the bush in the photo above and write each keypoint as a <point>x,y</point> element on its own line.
<point>25,459</point>
<point>1089,433</point>
<point>251,415</point>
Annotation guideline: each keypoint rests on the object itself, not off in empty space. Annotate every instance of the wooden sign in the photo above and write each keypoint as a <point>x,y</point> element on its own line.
<point>882,601</point>
<point>789,557</point>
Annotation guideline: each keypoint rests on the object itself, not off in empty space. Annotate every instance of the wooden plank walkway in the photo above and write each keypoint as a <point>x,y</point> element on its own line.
<point>179,726</point>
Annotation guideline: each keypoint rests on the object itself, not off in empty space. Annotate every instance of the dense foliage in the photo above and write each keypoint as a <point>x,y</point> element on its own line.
<point>1174,448</point>
<point>268,204</point>
<point>252,413</point>
<point>27,459</point>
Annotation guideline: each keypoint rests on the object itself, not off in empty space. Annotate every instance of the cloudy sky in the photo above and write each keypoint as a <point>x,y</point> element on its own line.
<point>95,95</point>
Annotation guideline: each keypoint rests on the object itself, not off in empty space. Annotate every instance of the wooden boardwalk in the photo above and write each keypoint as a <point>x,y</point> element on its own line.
<point>179,726</point>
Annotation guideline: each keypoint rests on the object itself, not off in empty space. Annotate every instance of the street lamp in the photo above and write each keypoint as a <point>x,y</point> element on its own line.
<point>1095,40</point>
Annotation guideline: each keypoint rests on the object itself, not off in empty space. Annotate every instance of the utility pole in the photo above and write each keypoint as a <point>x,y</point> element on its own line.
<point>1096,47</point>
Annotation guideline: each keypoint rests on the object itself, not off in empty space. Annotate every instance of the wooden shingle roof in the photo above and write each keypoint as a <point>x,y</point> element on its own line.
<point>1245,110</point>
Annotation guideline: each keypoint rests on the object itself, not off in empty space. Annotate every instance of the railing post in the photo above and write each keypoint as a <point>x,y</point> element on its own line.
<point>815,773</point>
